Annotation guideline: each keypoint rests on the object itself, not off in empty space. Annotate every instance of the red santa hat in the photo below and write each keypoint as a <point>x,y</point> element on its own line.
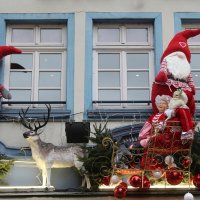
<point>179,43</point>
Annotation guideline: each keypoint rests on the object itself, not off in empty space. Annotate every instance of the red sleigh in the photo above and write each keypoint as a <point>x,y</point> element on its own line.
<point>165,143</point>
<point>165,154</point>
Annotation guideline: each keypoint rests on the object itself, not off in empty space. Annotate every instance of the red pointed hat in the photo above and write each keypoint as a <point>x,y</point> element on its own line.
<point>179,43</point>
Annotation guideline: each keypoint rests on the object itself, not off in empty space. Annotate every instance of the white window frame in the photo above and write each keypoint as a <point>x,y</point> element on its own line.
<point>122,48</point>
<point>194,48</point>
<point>37,48</point>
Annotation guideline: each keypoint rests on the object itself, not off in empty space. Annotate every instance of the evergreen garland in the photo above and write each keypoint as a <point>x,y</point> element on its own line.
<point>5,165</point>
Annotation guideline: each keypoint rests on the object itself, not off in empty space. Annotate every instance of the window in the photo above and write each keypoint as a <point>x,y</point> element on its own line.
<point>123,63</point>
<point>39,73</point>
<point>194,44</point>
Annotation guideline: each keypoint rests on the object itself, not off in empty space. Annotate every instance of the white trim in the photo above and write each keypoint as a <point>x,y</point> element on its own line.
<point>36,49</point>
<point>36,28</point>
<point>122,48</point>
<point>122,30</point>
<point>123,77</point>
<point>95,76</point>
<point>35,87</point>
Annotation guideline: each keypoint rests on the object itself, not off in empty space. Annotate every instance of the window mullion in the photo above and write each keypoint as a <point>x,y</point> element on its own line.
<point>37,35</point>
<point>95,87</point>
<point>35,92</point>
<point>151,71</point>
<point>123,70</point>
<point>63,77</point>
<point>123,35</point>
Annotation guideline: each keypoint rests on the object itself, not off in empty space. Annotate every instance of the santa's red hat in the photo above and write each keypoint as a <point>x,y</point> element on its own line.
<point>179,43</point>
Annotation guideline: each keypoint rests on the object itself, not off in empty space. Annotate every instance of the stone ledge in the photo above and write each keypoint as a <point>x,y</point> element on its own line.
<point>39,192</point>
<point>23,189</point>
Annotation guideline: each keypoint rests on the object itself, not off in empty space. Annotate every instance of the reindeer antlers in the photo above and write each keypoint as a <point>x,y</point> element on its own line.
<point>23,121</point>
<point>27,124</point>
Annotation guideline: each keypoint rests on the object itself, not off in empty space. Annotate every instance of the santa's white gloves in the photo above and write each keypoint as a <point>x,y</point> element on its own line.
<point>169,113</point>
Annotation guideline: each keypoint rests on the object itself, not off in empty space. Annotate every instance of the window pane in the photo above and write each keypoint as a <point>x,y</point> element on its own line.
<point>50,60</point>
<point>21,61</point>
<point>20,79</point>
<point>137,35</point>
<point>109,61</point>
<point>49,95</point>
<point>197,95</point>
<point>138,79</point>
<point>108,35</point>
<point>109,95</point>
<point>22,35</point>
<point>109,79</point>
<point>138,95</point>
<point>49,79</point>
<point>195,57</point>
<point>137,60</point>
<point>51,35</point>
<point>196,78</point>
<point>21,95</point>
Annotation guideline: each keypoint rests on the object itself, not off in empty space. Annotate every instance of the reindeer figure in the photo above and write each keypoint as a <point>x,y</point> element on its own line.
<point>47,155</point>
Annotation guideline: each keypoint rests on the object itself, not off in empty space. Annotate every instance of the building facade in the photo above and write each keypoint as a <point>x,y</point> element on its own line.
<point>94,61</point>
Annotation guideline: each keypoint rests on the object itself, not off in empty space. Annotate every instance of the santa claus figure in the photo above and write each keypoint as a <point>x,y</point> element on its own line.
<point>4,51</point>
<point>175,71</point>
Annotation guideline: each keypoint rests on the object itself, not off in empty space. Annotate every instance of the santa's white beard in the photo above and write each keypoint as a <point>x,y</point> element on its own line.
<point>178,67</point>
<point>176,103</point>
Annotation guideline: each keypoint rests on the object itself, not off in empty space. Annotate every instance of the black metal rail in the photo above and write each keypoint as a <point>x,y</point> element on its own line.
<point>33,102</point>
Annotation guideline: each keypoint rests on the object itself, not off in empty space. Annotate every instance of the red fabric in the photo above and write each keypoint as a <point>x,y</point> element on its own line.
<point>7,50</point>
<point>164,89</point>
<point>155,121</point>
<point>145,132</point>
<point>185,118</point>
<point>162,74</point>
<point>179,43</point>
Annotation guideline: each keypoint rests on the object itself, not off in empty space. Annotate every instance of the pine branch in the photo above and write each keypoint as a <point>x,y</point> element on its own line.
<point>98,161</point>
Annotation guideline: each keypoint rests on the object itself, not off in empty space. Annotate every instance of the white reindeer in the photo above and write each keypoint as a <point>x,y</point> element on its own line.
<point>47,155</point>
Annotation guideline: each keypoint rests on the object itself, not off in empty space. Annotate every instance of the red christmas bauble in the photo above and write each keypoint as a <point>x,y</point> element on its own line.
<point>196,180</point>
<point>146,184</point>
<point>174,176</point>
<point>123,184</point>
<point>186,162</point>
<point>106,180</point>
<point>120,191</point>
<point>135,181</point>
